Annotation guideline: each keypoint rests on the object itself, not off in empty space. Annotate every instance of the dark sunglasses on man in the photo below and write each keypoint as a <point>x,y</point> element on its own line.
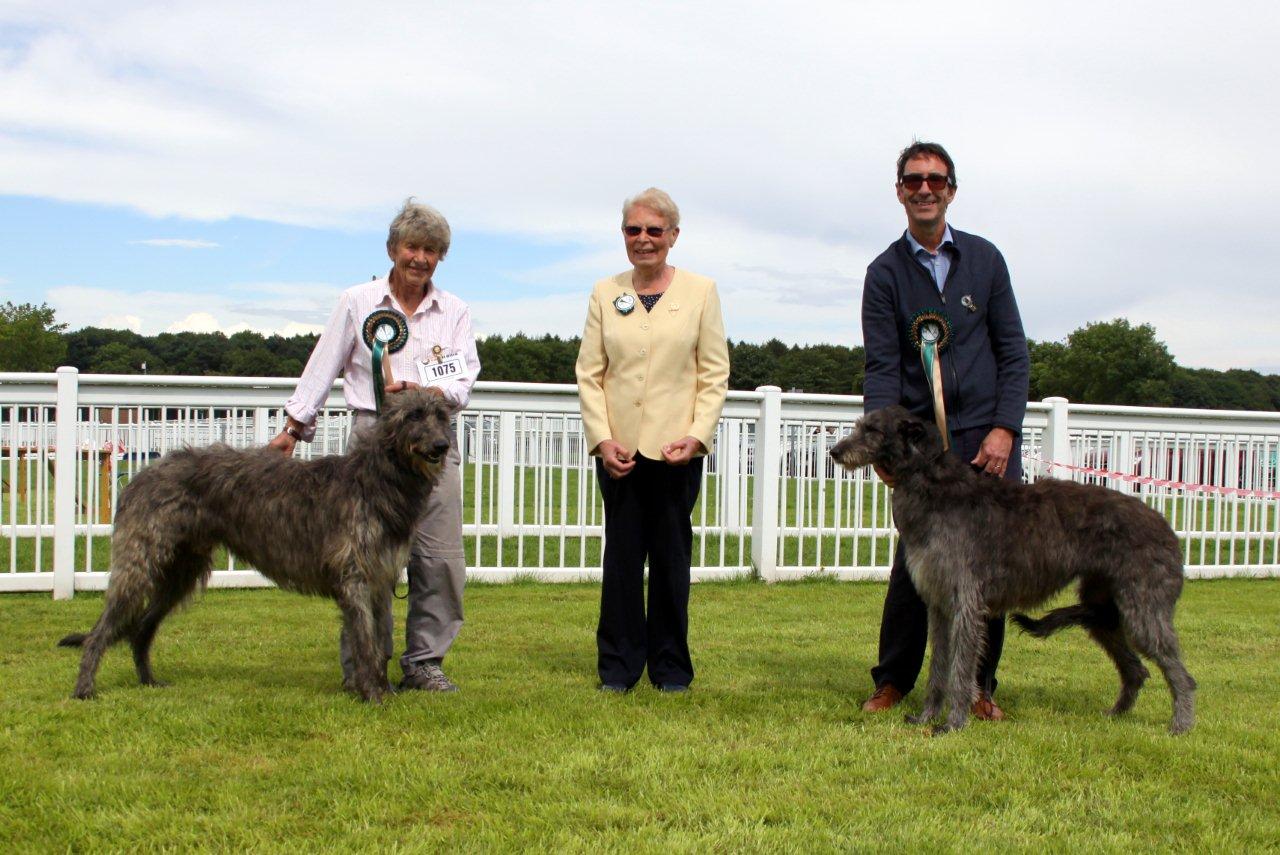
<point>913,181</point>
<point>651,231</point>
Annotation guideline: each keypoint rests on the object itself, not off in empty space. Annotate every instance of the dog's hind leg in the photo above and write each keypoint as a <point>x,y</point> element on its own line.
<point>939,665</point>
<point>110,628</point>
<point>1154,636</point>
<point>1103,625</point>
<point>178,581</point>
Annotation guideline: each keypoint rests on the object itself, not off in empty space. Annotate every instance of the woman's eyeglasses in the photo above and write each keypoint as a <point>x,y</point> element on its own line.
<point>651,231</point>
<point>913,181</point>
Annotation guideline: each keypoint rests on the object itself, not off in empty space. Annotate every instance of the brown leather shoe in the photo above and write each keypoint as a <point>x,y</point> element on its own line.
<point>985,709</point>
<point>886,697</point>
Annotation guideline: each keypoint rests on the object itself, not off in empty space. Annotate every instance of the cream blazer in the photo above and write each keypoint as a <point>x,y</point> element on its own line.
<point>648,378</point>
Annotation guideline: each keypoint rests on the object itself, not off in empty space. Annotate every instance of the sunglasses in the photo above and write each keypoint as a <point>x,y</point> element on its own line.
<point>651,231</point>
<point>913,181</point>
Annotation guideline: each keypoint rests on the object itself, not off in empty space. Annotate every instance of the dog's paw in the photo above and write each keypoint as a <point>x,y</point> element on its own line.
<point>940,729</point>
<point>922,717</point>
<point>378,692</point>
<point>83,694</point>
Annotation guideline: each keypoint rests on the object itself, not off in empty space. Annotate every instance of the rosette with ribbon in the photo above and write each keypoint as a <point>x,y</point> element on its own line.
<point>385,331</point>
<point>930,333</point>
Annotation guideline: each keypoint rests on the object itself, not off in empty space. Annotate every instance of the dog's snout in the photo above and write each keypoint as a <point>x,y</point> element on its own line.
<point>440,446</point>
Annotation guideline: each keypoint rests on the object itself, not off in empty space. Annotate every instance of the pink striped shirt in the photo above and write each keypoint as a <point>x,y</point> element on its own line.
<point>441,319</point>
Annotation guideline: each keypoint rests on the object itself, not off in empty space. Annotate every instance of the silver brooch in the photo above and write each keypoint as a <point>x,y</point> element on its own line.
<point>967,302</point>
<point>625,304</point>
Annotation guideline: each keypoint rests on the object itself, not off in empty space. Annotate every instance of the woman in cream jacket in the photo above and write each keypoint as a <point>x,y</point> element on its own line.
<point>652,376</point>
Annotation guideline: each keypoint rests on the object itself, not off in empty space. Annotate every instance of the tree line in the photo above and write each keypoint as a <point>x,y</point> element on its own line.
<point>1111,362</point>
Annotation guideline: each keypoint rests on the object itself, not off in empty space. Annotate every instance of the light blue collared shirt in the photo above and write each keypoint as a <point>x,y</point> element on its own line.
<point>938,263</point>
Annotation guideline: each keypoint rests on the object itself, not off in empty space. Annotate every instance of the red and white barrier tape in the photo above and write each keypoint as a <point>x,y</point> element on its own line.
<point>1157,482</point>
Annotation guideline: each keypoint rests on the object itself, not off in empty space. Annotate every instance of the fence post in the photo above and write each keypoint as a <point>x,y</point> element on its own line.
<point>65,464</point>
<point>1056,442</point>
<point>261,430</point>
<point>506,475</point>
<point>764,514</point>
<point>729,464</point>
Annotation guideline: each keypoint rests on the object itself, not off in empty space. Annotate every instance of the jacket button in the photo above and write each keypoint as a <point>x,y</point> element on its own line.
<point>644,326</point>
<point>642,351</point>
<point>638,403</point>
<point>640,377</point>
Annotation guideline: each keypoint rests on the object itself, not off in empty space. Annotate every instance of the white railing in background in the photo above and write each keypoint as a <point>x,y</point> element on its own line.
<point>772,502</point>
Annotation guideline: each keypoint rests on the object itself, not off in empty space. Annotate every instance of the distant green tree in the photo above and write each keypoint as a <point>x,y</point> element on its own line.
<point>1111,363</point>
<point>1045,358</point>
<point>30,338</point>
<point>84,344</point>
<point>116,357</point>
<point>750,367</point>
<point>192,352</point>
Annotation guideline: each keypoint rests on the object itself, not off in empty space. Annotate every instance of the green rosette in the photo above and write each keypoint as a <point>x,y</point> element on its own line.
<point>384,331</point>
<point>930,333</point>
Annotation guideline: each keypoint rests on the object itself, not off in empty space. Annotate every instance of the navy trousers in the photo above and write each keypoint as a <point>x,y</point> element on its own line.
<point>646,515</point>
<point>904,625</point>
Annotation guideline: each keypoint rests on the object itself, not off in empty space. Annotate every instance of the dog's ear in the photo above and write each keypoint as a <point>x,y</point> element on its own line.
<point>921,436</point>
<point>912,430</point>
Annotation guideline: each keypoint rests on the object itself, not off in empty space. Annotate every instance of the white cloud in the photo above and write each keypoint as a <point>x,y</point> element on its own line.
<point>198,322</point>
<point>121,322</point>
<point>180,243</point>
<point>267,308</point>
<point>1098,145</point>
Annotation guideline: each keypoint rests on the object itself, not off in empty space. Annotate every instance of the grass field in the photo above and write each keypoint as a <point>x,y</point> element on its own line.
<point>254,747</point>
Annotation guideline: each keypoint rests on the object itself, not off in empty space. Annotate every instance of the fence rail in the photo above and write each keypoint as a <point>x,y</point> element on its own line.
<point>772,502</point>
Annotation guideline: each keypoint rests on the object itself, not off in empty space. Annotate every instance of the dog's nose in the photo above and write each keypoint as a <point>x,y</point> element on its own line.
<point>440,446</point>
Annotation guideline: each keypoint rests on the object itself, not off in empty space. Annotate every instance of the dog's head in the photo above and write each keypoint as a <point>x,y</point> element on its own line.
<point>888,438</point>
<point>414,426</point>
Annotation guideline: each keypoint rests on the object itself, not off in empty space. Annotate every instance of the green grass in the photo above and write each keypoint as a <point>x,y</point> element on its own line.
<point>254,747</point>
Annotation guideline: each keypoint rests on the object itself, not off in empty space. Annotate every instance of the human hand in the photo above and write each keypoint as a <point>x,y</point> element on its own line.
<point>681,451</point>
<point>993,456</point>
<point>283,443</point>
<point>405,385</point>
<point>616,459</point>
<point>884,476</point>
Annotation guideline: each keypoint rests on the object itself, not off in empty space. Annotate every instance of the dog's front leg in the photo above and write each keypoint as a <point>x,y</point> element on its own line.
<point>383,631</point>
<point>939,666</point>
<point>357,612</point>
<point>967,639</point>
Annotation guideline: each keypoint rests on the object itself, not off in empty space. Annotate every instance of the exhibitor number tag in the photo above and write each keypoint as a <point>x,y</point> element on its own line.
<point>436,373</point>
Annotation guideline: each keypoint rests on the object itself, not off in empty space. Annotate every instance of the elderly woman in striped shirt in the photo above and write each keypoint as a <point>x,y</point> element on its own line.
<point>432,338</point>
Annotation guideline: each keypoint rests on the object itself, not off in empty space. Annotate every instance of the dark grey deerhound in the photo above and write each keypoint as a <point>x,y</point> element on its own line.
<point>337,526</point>
<point>979,546</point>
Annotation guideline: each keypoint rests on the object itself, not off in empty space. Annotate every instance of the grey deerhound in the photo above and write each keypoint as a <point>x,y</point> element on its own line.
<point>979,546</point>
<point>337,526</point>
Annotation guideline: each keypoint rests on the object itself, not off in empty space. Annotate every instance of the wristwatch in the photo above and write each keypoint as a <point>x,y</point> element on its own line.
<point>292,431</point>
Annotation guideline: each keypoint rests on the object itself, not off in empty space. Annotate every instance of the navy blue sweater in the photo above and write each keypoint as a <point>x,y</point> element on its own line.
<point>985,366</point>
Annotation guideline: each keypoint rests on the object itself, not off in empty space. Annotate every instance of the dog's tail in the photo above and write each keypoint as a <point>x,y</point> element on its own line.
<point>1077,615</point>
<point>75,639</point>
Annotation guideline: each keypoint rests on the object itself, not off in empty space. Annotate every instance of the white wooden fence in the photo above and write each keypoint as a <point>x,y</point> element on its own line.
<point>771,503</point>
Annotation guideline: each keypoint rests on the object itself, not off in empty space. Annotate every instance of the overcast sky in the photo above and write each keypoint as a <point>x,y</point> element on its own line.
<point>233,165</point>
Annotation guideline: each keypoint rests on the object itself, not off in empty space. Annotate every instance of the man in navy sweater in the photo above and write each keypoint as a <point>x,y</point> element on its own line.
<point>957,285</point>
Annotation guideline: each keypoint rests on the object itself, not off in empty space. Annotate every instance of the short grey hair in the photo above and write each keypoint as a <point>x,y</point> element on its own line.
<point>421,224</point>
<point>657,200</point>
